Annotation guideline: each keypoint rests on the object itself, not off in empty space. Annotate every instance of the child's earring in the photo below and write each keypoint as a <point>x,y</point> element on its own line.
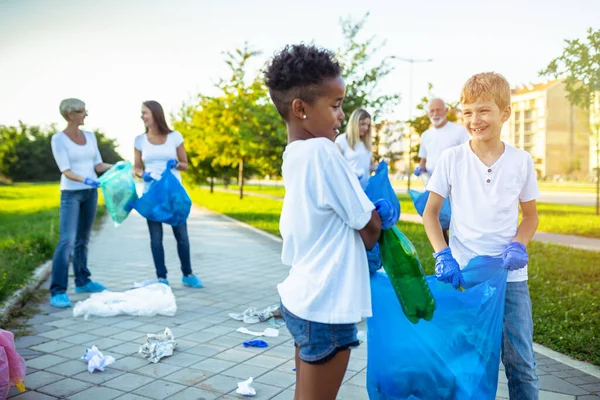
<point>304,116</point>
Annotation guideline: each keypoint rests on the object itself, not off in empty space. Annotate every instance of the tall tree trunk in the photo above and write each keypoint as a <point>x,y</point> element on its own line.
<point>598,172</point>
<point>241,177</point>
<point>212,184</point>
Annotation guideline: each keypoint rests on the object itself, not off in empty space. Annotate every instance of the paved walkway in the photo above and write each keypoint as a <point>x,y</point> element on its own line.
<point>240,269</point>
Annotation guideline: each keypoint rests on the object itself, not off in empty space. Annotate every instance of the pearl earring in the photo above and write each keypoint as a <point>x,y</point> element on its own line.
<point>304,116</point>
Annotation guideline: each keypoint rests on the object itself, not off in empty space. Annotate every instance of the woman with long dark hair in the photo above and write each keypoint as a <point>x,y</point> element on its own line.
<point>156,149</point>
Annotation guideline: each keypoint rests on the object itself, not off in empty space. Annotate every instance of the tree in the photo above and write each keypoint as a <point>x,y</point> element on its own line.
<point>26,153</point>
<point>240,128</point>
<point>580,65</point>
<point>361,75</point>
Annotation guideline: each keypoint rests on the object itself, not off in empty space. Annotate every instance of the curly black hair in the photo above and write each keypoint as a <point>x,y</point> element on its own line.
<point>296,73</point>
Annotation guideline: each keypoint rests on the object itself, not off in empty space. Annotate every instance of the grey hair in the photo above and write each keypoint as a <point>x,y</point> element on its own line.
<point>437,98</point>
<point>70,105</point>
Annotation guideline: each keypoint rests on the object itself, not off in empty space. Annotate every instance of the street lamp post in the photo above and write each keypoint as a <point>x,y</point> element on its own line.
<point>411,61</point>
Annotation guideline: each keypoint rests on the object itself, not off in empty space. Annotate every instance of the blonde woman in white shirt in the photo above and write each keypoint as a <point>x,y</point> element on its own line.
<point>78,158</point>
<point>356,145</point>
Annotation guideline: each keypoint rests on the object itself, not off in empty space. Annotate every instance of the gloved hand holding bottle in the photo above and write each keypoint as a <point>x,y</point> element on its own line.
<point>387,213</point>
<point>173,163</point>
<point>447,269</point>
<point>419,169</point>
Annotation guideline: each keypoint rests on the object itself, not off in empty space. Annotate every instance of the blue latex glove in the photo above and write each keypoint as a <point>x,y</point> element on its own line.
<point>147,177</point>
<point>419,170</point>
<point>447,269</point>
<point>386,213</point>
<point>92,182</point>
<point>172,163</point>
<point>374,258</point>
<point>515,256</point>
<point>256,343</point>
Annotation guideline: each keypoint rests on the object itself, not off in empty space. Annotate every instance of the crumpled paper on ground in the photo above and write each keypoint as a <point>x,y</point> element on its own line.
<point>158,346</point>
<point>96,360</point>
<point>245,389</point>
<point>146,301</point>
<point>268,332</point>
<point>254,316</point>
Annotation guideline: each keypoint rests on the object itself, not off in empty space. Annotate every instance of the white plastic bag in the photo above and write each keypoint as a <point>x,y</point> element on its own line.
<point>146,301</point>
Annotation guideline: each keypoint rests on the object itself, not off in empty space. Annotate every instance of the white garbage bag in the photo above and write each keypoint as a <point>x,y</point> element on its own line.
<point>146,301</point>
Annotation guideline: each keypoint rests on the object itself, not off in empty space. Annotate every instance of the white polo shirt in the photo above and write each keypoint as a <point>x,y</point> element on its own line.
<point>434,141</point>
<point>485,200</point>
<point>359,158</point>
<point>323,210</point>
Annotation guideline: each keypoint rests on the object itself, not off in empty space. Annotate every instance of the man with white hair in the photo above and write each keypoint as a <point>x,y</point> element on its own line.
<point>441,136</point>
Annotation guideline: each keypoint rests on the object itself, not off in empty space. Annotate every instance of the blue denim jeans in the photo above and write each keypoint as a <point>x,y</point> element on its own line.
<point>517,343</point>
<point>158,252</point>
<point>77,214</point>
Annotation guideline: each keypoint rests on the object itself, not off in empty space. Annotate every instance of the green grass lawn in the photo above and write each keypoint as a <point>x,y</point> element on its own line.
<point>29,224</point>
<point>564,282</point>
<point>556,218</point>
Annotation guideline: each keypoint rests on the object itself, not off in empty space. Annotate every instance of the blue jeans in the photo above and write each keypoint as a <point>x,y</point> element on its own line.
<point>158,252</point>
<point>517,343</point>
<point>77,214</point>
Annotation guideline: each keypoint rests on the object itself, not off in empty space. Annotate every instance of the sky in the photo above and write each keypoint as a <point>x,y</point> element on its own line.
<point>115,54</point>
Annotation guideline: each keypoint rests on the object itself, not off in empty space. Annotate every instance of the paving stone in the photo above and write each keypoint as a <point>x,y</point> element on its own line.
<point>243,371</point>
<point>159,389</point>
<point>219,383</point>
<point>129,381</point>
<point>159,370</point>
<point>65,388</point>
<point>33,396</point>
<point>70,368</point>
<point>130,363</point>
<point>28,341</point>
<point>193,393</point>
<point>213,365</point>
<point>97,393</point>
<point>51,347</point>
<point>277,378</point>
<point>40,378</point>
<point>553,384</point>
<point>45,361</point>
<point>188,377</point>
<point>99,377</point>
<point>182,359</point>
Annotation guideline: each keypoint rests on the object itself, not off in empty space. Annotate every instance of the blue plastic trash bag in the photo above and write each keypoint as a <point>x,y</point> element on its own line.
<point>420,201</point>
<point>118,190</point>
<point>166,201</point>
<point>455,356</point>
<point>380,187</point>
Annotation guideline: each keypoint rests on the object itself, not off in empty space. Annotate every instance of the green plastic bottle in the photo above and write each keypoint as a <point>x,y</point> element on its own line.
<point>401,262</point>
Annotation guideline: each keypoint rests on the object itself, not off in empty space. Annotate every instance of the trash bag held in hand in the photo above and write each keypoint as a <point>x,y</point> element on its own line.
<point>118,189</point>
<point>166,201</point>
<point>402,265</point>
<point>420,201</point>
<point>12,365</point>
<point>380,187</point>
<point>455,356</point>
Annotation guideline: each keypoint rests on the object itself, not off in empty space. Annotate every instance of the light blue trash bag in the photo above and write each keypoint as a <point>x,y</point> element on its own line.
<point>420,201</point>
<point>455,356</point>
<point>118,190</point>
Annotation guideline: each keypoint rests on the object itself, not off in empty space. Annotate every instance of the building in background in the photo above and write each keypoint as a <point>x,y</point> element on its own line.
<point>545,124</point>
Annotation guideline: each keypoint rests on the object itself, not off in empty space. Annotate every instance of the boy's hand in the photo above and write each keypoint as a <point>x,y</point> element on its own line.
<point>386,213</point>
<point>515,256</point>
<point>374,258</point>
<point>447,269</point>
<point>419,170</point>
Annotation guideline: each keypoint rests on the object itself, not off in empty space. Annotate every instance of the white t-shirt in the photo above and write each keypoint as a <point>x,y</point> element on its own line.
<point>434,141</point>
<point>323,210</point>
<point>485,200</point>
<point>155,156</point>
<point>80,159</point>
<point>359,158</point>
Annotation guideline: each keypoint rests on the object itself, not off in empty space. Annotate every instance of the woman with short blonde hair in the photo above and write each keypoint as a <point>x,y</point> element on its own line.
<point>79,161</point>
<point>356,145</point>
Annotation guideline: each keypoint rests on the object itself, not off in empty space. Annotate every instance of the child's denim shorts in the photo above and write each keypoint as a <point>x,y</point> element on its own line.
<point>318,342</point>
